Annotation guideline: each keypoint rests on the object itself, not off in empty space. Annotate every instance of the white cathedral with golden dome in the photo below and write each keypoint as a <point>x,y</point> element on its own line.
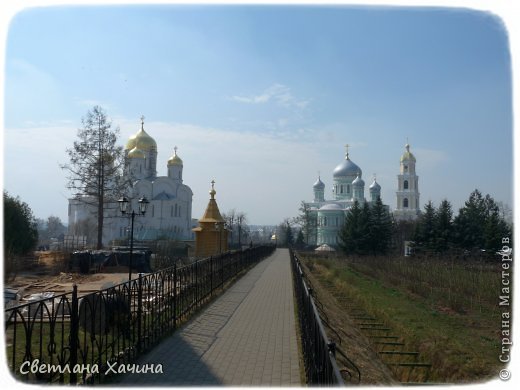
<point>169,212</point>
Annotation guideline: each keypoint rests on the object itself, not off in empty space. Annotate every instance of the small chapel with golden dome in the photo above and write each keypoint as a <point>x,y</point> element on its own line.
<point>169,212</point>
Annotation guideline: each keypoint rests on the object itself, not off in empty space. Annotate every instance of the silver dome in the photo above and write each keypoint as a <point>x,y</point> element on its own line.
<point>346,168</point>
<point>374,186</point>
<point>319,184</point>
<point>358,182</point>
<point>331,206</point>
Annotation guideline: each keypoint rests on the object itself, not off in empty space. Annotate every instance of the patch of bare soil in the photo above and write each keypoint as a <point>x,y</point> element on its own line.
<point>350,339</point>
<point>63,282</point>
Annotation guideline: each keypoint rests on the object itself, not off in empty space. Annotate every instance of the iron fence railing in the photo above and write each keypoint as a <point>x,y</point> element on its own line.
<point>321,367</point>
<point>71,339</point>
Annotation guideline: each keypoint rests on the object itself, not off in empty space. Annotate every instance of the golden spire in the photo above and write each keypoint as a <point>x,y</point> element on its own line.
<point>212,214</point>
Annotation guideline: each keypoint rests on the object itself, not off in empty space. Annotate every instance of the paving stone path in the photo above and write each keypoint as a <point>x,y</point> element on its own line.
<point>247,337</point>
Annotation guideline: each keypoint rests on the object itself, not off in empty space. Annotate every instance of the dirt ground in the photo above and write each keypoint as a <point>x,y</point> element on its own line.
<point>48,272</point>
<point>63,282</point>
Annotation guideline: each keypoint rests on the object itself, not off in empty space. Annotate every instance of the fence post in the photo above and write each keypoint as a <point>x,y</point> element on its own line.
<point>196,284</point>
<point>139,311</point>
<point>222,271</point>
<point>74,329</point>
<point>175,295</point>
<point>211,275</point>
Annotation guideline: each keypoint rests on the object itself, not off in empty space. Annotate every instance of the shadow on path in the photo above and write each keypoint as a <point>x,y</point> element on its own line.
<point>246,337</point>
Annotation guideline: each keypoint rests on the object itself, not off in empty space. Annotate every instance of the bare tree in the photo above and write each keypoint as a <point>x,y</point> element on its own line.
<point>230,218</point>
<point>308,223</point>
<point>95,169</point>
<point>241,221</point>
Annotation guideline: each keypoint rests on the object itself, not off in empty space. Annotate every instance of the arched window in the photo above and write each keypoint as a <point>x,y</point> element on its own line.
<point>341,189</point>
<point>175,209</point>
<point>405,202</point>
<point>348,188</point>
<point>405,184</point>
<point>324,221</point>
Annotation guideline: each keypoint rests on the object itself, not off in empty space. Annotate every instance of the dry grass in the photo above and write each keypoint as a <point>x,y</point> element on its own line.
<point>446,311</point>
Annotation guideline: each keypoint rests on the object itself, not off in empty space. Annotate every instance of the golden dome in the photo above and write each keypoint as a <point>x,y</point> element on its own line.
<point>407,155</point>
<point>174,160</point>
<point>141,140</point>
<point>136,153</point>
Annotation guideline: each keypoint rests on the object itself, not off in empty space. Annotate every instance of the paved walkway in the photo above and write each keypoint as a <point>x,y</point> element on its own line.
<point>246,337</point>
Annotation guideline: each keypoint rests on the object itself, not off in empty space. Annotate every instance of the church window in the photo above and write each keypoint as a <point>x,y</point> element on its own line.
<point>416,203</point>
<point>153,211</point>
<point>337,221</point>
<point>180,211</point>
<point>405,202</point>
<point>405,184</point>
<point>324,221</point>
<point>341,189</point>
<point>348,188</point>
<point>406,168</point>
<point>176,209</point>
<point>179,174</point>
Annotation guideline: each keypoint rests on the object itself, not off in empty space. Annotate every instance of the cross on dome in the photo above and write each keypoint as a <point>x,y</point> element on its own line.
<point>212,192</point>
<point>346,147</point>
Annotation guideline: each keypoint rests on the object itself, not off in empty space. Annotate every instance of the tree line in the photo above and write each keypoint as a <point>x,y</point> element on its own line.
<point>479,225</point>
<point>370,229</point>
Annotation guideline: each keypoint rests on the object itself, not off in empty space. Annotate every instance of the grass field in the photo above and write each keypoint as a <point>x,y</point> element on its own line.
<point>446,311</point>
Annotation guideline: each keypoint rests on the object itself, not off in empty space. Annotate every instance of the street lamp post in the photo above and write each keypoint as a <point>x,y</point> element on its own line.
<point>123,206</point>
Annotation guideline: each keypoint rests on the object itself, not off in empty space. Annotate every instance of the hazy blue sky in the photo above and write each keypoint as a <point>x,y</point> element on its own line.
<point>261,98</point>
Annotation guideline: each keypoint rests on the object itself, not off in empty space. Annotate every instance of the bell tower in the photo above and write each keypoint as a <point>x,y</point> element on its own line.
<point>408,205</point>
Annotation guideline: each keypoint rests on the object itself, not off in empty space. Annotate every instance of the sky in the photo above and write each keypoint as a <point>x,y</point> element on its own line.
<point>263,98</point>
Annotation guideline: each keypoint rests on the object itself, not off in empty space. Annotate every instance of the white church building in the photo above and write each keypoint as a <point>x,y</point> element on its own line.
<point>169,212</point>
<point>349,186</point>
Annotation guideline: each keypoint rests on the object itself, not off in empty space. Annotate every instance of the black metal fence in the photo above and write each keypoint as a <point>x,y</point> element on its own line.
<point>72,339</point>
<point>321,367</point>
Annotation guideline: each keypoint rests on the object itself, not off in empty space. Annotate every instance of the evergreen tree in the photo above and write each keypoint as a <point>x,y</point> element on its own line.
<point>381,226</point>
<point>469,224</point>
<point>289,236</point>
<point>300,240</point>
<point>426,234</point>
<point>495,229</point>
<point>351,234</point>
<point>443,226</point>
<point>20,231</point>
<point>365,226</point>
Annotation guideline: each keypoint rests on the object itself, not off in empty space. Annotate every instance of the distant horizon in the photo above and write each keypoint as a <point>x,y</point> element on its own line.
<point>262,110</point>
